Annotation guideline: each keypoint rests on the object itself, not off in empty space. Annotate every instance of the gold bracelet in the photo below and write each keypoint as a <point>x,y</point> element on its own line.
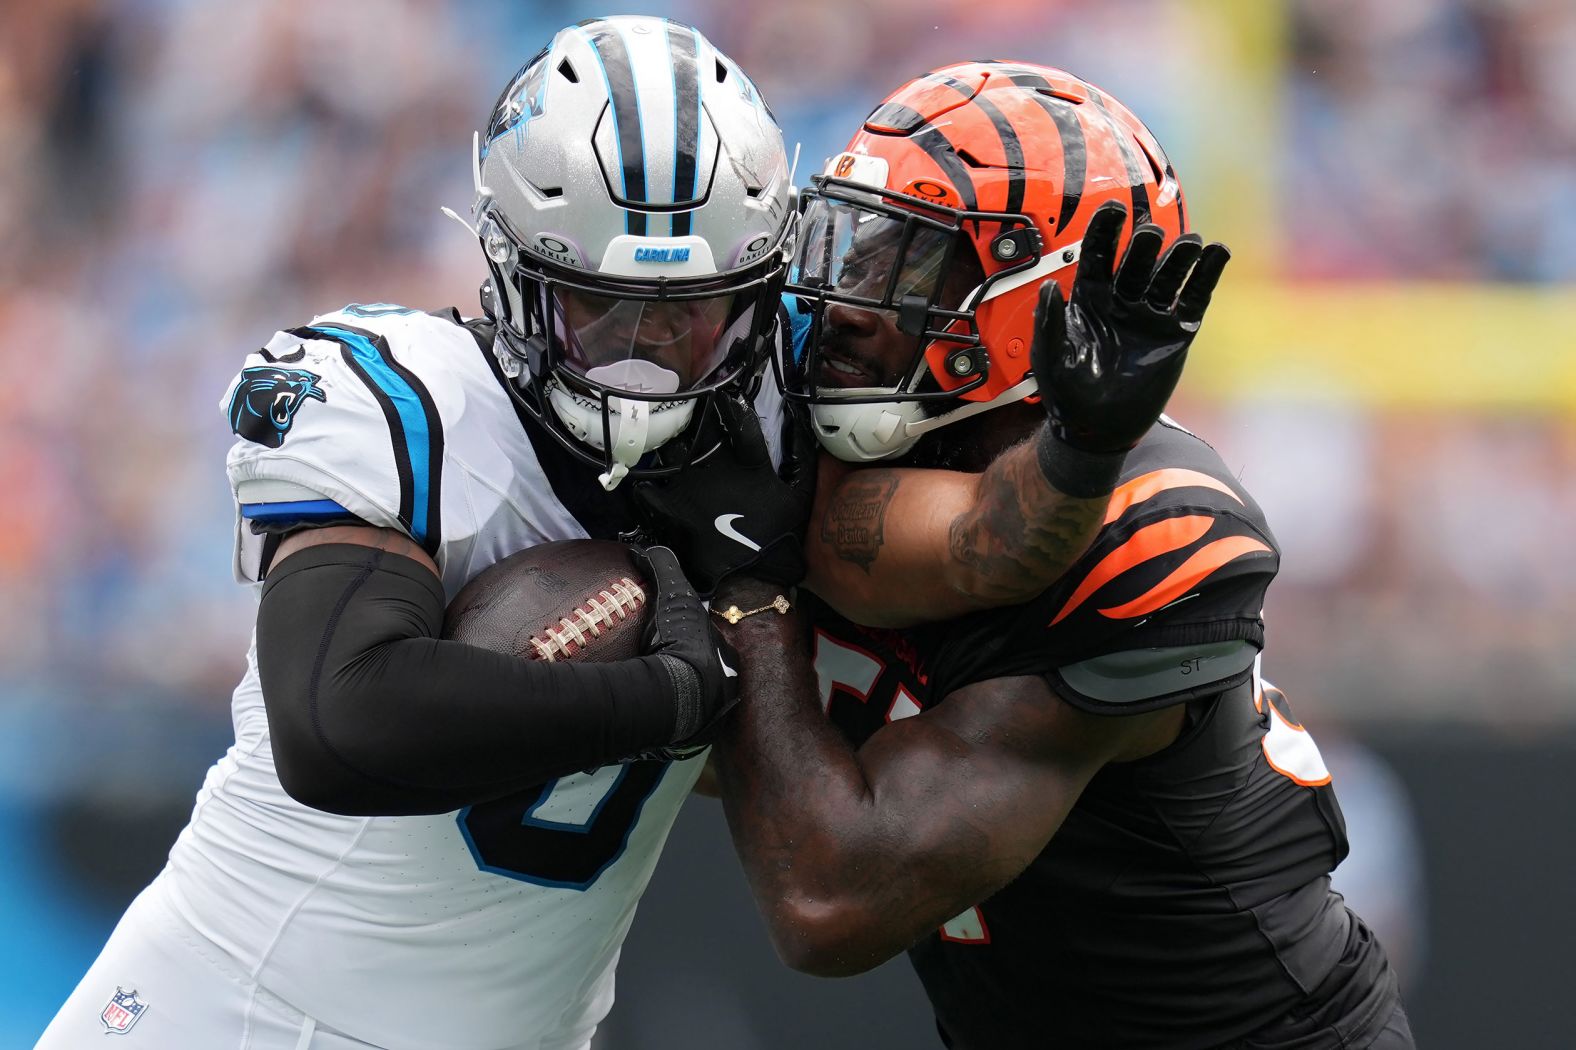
<point>733,614</point>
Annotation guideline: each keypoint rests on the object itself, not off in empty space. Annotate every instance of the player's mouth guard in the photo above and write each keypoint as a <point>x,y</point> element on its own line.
<point>633,427</point>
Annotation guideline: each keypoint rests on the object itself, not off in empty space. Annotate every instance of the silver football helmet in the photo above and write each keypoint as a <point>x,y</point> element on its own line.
<point>633,202</point>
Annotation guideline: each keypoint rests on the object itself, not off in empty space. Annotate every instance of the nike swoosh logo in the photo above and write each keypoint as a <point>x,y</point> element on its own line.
<point>727,671</point>
<point>724,525</point>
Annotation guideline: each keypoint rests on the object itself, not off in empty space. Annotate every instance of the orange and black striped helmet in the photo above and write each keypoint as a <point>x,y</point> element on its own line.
<point>987,168</point>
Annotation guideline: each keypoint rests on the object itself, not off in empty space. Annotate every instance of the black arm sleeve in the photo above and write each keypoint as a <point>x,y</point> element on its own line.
<point>370,713</point>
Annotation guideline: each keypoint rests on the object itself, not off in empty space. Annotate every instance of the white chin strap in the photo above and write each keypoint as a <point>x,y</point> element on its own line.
<point>884,429</point>
<point>635,427</point>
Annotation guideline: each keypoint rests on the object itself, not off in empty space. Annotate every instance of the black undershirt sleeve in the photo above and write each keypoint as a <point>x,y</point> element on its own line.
<point>371,713</point>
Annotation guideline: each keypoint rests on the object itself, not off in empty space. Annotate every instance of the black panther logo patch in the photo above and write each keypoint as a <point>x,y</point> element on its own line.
<point>267,400</point>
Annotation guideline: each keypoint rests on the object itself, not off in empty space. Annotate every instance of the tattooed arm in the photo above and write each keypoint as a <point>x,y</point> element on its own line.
<point>853,857</point>
<point>893,547</point>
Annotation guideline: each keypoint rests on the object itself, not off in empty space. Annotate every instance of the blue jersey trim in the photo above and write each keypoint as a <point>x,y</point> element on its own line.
<point>295,510</point>
<point>412,416</point>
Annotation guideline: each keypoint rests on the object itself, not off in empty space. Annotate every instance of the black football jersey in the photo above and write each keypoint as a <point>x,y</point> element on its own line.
<point>1185,900</point>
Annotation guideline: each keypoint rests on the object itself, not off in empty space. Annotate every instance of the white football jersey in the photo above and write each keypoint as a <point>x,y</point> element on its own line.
<point>486,927</point>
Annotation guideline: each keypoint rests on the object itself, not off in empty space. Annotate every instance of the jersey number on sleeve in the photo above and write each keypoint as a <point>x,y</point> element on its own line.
<point>839,665</point>
<point>565,833</point>
<point>1288,747</point>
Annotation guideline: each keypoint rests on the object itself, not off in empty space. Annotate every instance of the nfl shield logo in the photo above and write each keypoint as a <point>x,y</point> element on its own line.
<point>123,1010</point>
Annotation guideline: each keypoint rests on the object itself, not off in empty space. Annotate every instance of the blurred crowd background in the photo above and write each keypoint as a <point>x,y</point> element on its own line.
<point>1391,363</point>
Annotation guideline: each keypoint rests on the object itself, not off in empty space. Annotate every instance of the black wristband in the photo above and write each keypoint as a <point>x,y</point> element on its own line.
<point>688,712</point>
<point>1073,472</point>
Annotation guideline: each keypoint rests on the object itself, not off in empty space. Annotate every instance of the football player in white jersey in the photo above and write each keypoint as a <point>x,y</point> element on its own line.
<point>402,848</point>
<point>415,843</point>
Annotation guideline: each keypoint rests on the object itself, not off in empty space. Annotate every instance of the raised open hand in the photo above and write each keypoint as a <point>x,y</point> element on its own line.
<point>1108,360</point>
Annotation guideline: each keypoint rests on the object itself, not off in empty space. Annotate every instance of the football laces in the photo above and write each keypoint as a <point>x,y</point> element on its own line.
<point>574,632</point>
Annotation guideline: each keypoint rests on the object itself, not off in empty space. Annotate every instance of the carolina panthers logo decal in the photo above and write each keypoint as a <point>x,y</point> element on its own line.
<point>265,404</point>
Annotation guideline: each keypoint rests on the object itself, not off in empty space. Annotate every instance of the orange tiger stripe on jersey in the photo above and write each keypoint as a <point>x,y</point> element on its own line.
<point>1198,567</point>
<point>1147,486</point>
<point>1151,541</point>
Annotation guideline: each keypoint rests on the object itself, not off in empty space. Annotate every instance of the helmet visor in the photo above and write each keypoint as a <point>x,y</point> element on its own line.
<point>653,346</point>
<point>866,255</point>
<point>881,284</point>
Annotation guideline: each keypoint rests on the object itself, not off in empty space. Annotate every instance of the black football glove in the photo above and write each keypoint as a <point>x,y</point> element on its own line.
<point>1108,361</point>
<point>732,512</point>
<point>704,667</point>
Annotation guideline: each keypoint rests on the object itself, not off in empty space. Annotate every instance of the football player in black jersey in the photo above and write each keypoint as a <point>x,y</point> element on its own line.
<point>1086,817</point>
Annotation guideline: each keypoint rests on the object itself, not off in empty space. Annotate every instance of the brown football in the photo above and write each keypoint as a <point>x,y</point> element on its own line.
<point>567,600</point>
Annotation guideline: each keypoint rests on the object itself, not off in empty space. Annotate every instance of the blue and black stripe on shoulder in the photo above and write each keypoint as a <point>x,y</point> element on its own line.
<point>415,430</point>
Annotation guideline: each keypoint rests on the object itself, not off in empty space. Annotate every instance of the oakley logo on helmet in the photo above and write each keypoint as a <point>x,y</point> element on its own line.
<point>557,250</point>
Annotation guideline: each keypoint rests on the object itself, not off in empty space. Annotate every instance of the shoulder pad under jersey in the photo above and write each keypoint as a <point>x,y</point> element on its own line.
<point>1166,602</point>
<point>343,418</point>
